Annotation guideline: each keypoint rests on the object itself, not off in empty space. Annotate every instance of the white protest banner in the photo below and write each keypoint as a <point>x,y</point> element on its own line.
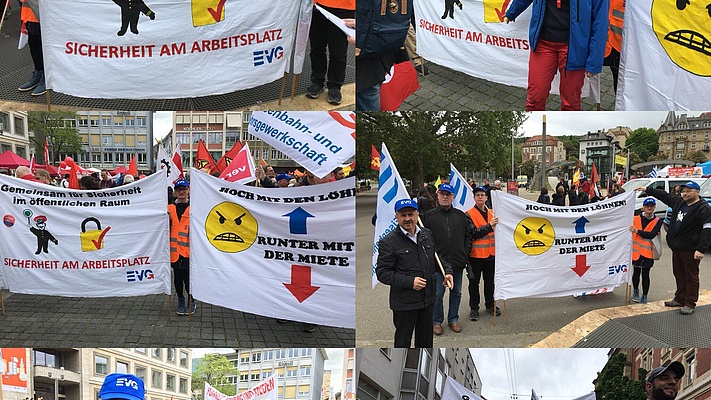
<point>666,57</point>
<point>454,390</point>
<point>83,243</point>
<point>165,165</point>
<point>264,390</point>
<point>497,52</point>
<point>390,189</point>
<point>306,10</point>
<point>549,251</point>
<point>463,193</point>
<point>147,49</point>
<point>285,253</point>
<point>318,140</point>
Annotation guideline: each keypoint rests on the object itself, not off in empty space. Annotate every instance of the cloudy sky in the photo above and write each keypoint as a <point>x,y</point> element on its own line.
<point>555,374</point>
<point>162,124</point>
<point>580,122</point>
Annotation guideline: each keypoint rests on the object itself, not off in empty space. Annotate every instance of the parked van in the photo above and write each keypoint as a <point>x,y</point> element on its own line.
<point>666,184</point>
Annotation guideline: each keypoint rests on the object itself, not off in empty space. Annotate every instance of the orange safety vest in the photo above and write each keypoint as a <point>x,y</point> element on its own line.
<point>26,13</point>
<point>179,233</point>
<point>614,33</point>
<point>342,4</point>
<point>640,245</point>
<point>482,247</point>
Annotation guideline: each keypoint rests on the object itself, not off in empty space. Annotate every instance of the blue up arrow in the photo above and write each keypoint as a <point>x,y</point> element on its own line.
<point>297,221</point>
<point>580,224</point>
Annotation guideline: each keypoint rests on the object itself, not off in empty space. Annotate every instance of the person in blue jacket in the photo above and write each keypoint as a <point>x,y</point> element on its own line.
<point>567,36</point>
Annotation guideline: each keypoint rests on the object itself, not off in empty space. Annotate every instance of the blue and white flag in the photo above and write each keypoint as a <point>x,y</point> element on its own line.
<point>653,174</point>
<point>454,390</point>
<point>463,193</point>
<point>390,189</point>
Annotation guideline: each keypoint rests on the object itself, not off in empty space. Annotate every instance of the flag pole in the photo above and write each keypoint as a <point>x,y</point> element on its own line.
<point>281,91</point>
<point>2,307</point>
<point>4,11</point>
<point>439,263</point>
<point>49,103</point>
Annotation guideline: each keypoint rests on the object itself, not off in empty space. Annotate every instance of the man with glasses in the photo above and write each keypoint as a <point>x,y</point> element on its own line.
<point>179,213</point>
<point>481,257</point>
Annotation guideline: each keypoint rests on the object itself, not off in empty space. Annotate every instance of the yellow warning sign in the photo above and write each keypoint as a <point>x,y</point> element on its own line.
<point>208,12</point>
<point>494,10</point>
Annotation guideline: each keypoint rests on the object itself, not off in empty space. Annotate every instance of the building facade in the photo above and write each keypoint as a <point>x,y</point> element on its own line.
<point>14,133</point>
<point>299,370</point>
<point>681,135</point>
<point>532,149</point>
<point>77,374</point>
<point>348,384</point>
<point>413,374</point>
<point>696,383</point>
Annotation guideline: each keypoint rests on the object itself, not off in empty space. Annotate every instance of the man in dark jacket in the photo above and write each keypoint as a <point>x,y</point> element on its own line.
<point>689,236</point>
<point>406,263</point>
<point>452,233</point>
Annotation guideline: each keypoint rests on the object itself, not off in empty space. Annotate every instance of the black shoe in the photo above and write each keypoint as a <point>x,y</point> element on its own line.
<point>491,311</point>
<point>334,96</point>
<point>422,70</point>
<point>314,90</point>
<point>308,328</point>
<point>474,315</point>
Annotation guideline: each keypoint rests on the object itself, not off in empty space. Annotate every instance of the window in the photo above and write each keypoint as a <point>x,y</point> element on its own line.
<point>182,138</point>
<point>170,383</point>
<point>291,373</point>
<point>83,121</point>
<point>121,367</point>
<point>94,121</point>
<point>46,359</point>
<point>156,379</point>
<point>690,369</point>
<point>305,371</point>
<point>105,121</point>
<point>243,378</point>
<point>279,354</point>
<point>306,352</point>
<point>183,385</point>
<point>693,146</point>
<point>197,137</point>
<point>130,121</point>
<point>214,137</point>
<point>171,356</point>
<point>21,151</point>
<point>141,158</point>
<point>157,353</point>
<point>118,157</point>
<point>141,121</point>
<point>183,359</point>
<point>693,135</point>
<point>141,372</point>
<point>141,140</point>
<point>108,157</point>
<point>256,357</point>
<point>254,377</point>
<point>101,365</point>
<point>107,140</point>
<point>265,154</point>
<point>267,355</point>
<point>265,374</point>
<point>244,359</point>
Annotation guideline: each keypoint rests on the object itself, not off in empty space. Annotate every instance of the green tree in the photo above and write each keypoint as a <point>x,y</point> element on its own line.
<point>55,126</point>
<point>572,146</point>
<point>423,144</point>
<point>697,156</point>
<point>213,369</point>
<point>612,384</point>
<point>644,142</point>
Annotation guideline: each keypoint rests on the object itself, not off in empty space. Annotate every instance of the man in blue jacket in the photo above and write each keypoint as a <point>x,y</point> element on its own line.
<point>567,36</point>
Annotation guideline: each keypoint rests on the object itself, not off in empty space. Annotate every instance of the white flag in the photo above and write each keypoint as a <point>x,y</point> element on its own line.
<point>165,164</point>
<point>390,189</point>
<point>454,390</point>
<point>463,192</point>
<point>589,396</point>
<point>549,251</point>
<point>301,40</point>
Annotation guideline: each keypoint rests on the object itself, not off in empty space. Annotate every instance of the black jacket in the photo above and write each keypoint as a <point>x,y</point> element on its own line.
<point>690,234</point>
<point>452,233</point>
<point>400,260</point>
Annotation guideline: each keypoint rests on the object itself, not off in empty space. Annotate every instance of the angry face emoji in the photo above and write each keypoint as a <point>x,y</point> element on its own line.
<point>230,228</point>
<point>683,28</point>
<point>534,236</point>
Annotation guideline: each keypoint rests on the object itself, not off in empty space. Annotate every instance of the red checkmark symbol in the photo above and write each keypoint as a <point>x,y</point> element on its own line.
<point>217,14</point>
<point>502,12</point>
<point>97,243</point>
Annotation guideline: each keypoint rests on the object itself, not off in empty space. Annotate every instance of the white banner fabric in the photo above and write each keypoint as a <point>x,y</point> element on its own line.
<point>666,63</point>
<point>83,243</point>
<point>171,49</point>
<point>390,189</point>
<point>454,390</point>
<point>318,140</point>
<point>550,251</point>
<point>497,52</point>
<point>306,10</point>
<point>264,390</point>
<point>283,253</point>
<point>463,193</point>
<point>165,165</point>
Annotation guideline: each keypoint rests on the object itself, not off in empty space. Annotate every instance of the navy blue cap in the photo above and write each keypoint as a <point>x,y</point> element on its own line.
<point>479,189</point>
<point>405,203</point>
<point>122,386</point>
<point>181,182</point>
<point>692,185</point>
<point>675,366</point>
<point>446,187</point>
<point>649,201</point>
<point>283,176</point>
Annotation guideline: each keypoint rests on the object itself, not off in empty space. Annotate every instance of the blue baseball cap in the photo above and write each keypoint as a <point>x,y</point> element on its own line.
<point>283,176</point>
<point>445,187</point>
<point>675,366</point>
<point>181,183</point>
<point>122,386</point>
<point>649,201</point>
<point>405,203</point>
<point>479,189</point>
<point>692,185</point>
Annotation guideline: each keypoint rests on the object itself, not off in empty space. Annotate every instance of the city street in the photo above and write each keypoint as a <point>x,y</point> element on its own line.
<point>530,320</point>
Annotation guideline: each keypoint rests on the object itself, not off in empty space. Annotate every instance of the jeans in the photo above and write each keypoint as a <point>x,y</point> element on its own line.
<point>455,296</point>
<point>368,99</point>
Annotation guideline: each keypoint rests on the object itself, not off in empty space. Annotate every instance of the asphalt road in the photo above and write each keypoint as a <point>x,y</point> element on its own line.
<point>529,320</point>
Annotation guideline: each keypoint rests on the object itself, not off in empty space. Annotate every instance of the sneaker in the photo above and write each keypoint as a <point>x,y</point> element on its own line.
<point>194,307</point>
<point>686,310</point>
<point>491,311</point>
<point>437,329</point>
<point>672,303</point>
<point>32,82</point>
<point>314,90</point>
<point>422,70</point>
<point>334,96</point>
<point>41,88</point>
<point>474,315</point>
<point>308,328</point>
<point>635,296</point>
<point>181,307</point>
<point>643,300</point>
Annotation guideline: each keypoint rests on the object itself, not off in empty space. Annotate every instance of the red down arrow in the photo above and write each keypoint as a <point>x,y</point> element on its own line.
<point>580,267</point>
<point>300,285</point>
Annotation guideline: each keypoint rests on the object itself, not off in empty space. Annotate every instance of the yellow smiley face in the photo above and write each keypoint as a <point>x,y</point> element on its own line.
<point>229,227</point>
<point>534,236</point>
<point>683,28</point>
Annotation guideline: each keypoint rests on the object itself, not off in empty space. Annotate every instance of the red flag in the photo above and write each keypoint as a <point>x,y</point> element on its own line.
<point>46,153</point>
<point>73,180</point>
<point>203,158</point>
<point>178,159</point>
<point>32,164</point>
<point>593,183</point>
<point>241,169</point>
<point>374,158</point>
<point>132,168</point>
<point>400,83</point>
<point>228,157</point>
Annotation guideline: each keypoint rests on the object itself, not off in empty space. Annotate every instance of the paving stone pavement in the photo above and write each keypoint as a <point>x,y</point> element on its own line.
<point>449,90</point>
<point>50,321</point>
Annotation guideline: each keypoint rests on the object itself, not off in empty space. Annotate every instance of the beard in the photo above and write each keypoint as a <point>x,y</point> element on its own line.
<point>658,393</point>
